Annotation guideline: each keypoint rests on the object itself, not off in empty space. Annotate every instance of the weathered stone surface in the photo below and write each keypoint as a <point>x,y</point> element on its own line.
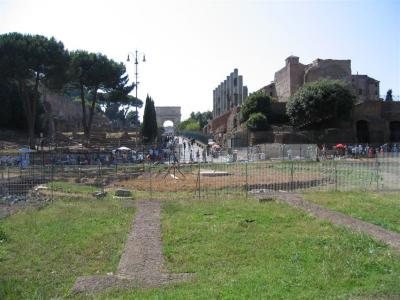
<point>123,193</point>
<point>142,262</point>
<point>99,194</point>
<point>168,113</point>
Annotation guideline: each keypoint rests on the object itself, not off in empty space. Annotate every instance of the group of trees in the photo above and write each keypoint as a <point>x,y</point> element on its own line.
<point>30,64</point>
<point>120,111</point>
<point>314,105</point>
<point>196,121</point>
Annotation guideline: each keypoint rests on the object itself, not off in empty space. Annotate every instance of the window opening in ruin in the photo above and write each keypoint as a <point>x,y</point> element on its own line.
<point>395,131</point>
<point>362,127</point>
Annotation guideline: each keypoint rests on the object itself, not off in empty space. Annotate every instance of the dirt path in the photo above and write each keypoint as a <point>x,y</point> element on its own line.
<point>383,235</point>
<point>142,262</point>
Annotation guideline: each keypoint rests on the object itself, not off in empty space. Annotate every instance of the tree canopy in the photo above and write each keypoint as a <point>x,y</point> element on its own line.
<point>189,124</point>
<point>257,121</point>
<point>118,109</point>
<point>201,117</point>
<point>94,73</point>
<point>318,103</point>
<point>30,62</point>
<point>255,110</point>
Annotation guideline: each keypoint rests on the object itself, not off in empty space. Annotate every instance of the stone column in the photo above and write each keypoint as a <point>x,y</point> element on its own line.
<point>240,89</point>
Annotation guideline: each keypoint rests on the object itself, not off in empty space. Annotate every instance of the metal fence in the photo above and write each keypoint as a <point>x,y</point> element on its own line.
<point>45,176</point>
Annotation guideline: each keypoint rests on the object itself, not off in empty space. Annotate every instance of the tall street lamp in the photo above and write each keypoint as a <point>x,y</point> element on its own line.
<point>137,56</point>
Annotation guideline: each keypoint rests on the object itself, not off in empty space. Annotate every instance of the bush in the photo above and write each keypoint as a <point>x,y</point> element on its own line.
<point>257,102</point>
<point>257,122</point>
<point>319,102</point>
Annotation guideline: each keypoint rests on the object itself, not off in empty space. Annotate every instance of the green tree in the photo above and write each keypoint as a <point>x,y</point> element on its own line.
<point>133,118</point>
<point>201,117</point>
<point>94,73</point>
<point>257,121</point>
<point>118,109</point>
<point>32,62</point>
<point>318,103</point>
<point>256,102</point>
<point>189,124</point>
<point>149,125</point>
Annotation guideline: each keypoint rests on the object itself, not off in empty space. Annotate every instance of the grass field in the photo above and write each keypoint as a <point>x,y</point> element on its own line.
<point>241,249</point>
<point>381,209</point>
<point>238,248</point>
<point>43,251</point>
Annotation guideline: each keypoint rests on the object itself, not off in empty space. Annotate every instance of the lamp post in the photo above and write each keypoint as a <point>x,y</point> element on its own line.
<point>136,56</point>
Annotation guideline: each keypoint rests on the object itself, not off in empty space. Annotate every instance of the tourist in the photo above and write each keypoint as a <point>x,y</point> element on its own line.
<point>191,155</point>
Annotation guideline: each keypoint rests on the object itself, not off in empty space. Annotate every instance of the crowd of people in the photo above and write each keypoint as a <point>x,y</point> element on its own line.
<point>360,150</point>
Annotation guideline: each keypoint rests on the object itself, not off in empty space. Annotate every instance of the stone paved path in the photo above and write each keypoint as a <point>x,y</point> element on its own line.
<point>142,262</point>
<point>379,233</point>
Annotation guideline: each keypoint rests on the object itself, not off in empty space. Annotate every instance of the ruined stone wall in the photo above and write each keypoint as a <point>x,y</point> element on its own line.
<point>64,114</point>
<point>289,79</point>
<point>270,90</point>
<point>366,88</point>
<point>333,69</point>
<point>282,84</point>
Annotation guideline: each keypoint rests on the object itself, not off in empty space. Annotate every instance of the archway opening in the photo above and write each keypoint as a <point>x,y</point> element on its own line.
<point>168,127</point>
<point>168,123</point>
<point>362,127</point>
<point>394,131</point>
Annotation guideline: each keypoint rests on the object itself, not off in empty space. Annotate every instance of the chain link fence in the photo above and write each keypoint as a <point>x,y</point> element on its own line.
<point>218,174</point>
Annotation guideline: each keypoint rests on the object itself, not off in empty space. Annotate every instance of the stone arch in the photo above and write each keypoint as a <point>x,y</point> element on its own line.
<point>394,131</point>
<point>168,113</point>
<point>362,128</point>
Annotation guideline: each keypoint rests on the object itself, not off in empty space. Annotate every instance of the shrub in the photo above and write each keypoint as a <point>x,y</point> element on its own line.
<point>257,122</point>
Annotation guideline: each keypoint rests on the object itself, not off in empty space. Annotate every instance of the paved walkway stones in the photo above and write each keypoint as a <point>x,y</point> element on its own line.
<point>377,232</point>
<point>142,262</point>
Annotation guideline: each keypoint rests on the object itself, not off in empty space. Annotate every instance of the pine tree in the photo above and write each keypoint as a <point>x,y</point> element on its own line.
<point>149,125</point>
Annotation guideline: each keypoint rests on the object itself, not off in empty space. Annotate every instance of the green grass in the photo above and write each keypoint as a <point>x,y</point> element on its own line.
<point>280,254</point>
<point>381,209</point>
<point>238,249</point>
<point>68,187</point>
<point>44,251</point>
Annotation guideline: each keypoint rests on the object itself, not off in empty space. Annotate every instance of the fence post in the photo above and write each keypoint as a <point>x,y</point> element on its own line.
<point>247,181</point>
<point>292,173</point>
<point>336,178</point>
<point>8,180</point>
<point>52,181</point>
<point>199,180</point>
<point>377,173</point>
<point>151,182</point>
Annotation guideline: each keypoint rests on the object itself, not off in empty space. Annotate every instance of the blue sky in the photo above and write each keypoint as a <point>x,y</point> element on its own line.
<point>191,46</point>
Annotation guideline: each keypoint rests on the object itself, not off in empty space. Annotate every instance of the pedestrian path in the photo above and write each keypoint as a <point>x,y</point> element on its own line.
<point>377,232</point>
<point>142,262</point>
